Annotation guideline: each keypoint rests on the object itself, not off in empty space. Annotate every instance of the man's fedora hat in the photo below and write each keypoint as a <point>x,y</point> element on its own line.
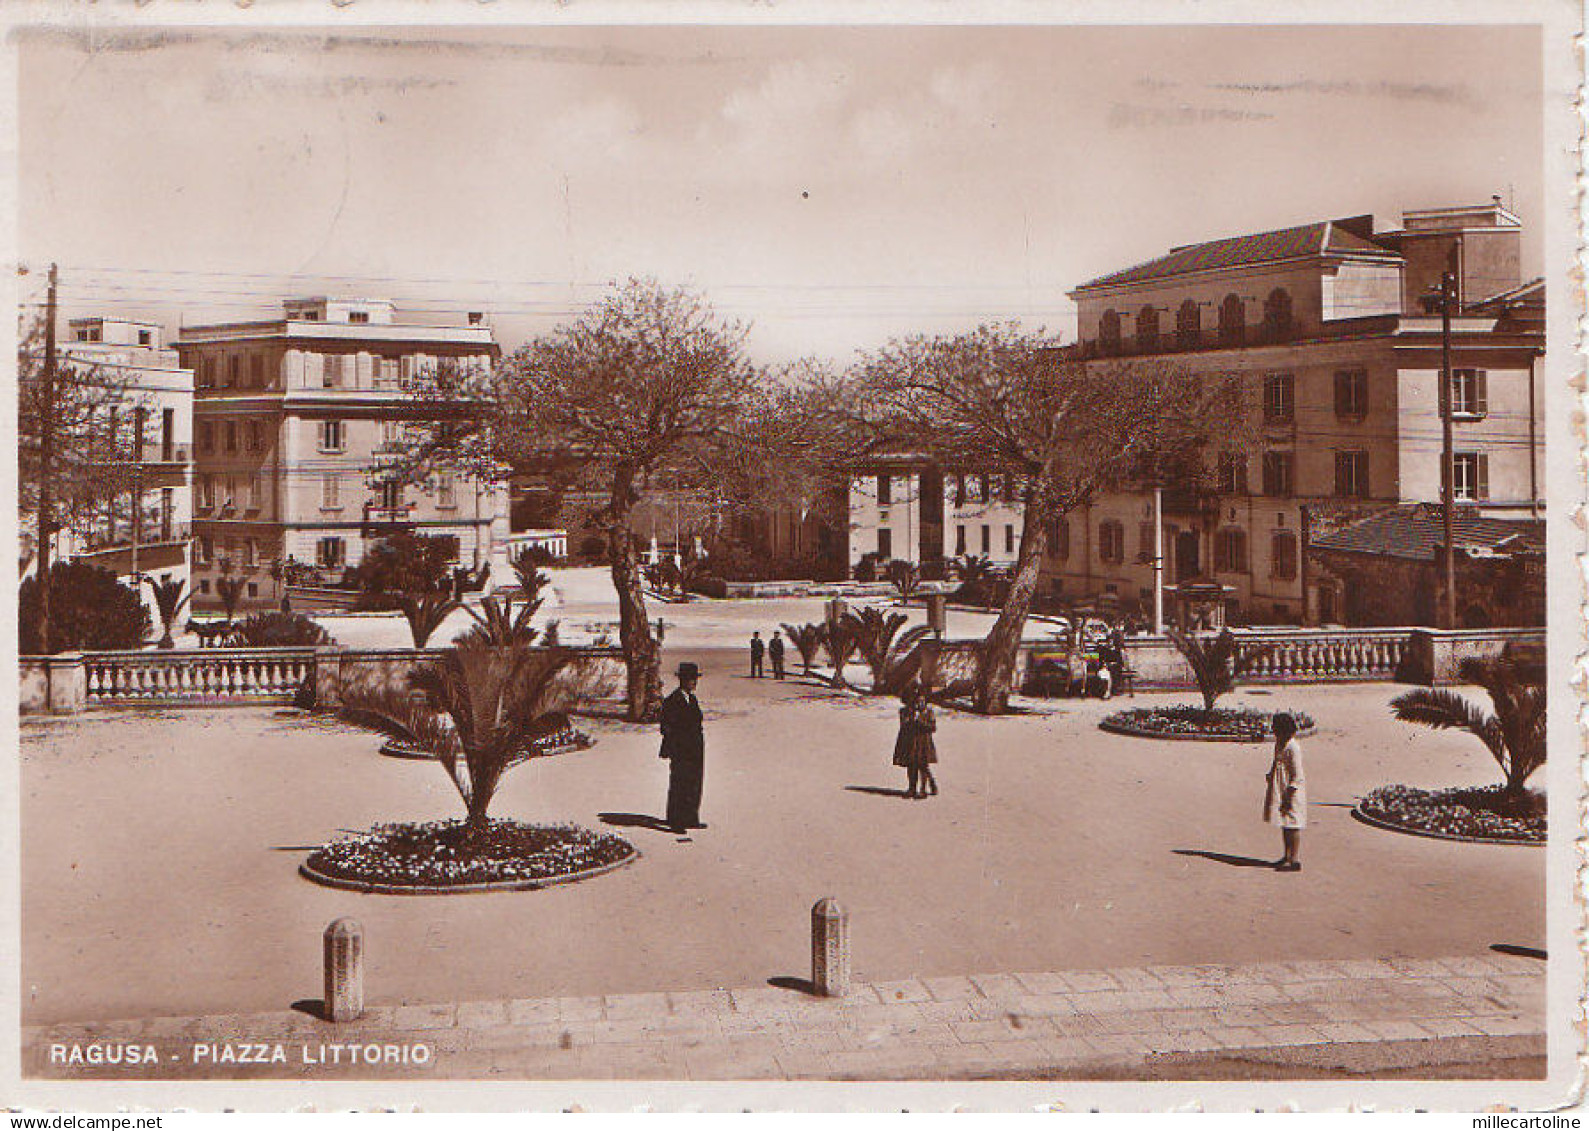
<point>688,670</point>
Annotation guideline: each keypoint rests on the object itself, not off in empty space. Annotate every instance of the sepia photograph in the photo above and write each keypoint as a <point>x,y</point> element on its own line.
<point>752,559</point>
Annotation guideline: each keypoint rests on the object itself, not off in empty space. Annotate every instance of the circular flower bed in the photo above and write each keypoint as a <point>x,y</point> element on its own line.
<point>1484,814</point>
<point>439,857</point>
<point>564,741</point>
<point>1189,721</point>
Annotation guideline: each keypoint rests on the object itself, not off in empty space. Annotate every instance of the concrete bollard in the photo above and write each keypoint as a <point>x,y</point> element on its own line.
<point>344,947</point>
<point>937,612</point>
<point>830,949</point>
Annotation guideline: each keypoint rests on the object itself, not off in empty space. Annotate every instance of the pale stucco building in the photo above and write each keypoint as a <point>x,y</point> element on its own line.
<point>1328,329</point>
<point>292,415</point>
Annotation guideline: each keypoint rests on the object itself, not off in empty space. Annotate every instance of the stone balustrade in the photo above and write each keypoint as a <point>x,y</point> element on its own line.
<point>210,675</point>
<point>1324,655</point>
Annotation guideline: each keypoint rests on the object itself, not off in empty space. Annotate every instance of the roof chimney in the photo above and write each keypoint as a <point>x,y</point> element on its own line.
<point>476,317</point>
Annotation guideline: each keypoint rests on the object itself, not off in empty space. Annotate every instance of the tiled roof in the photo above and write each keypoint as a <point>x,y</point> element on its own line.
<point>1417,530</point>
<point>1324,238</point>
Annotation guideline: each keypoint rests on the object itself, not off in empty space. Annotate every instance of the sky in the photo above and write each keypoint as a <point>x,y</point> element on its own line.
<point>832,187</point>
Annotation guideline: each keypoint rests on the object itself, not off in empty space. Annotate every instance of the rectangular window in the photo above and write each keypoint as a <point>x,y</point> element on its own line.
<point>387,370</point>
<point>960,490</point>
<point>168,435</point>
<point>329,553</point>
<point>330,493</point>
<point>1472,480</point>
<point>885,490</point>
<point>1230,551</point>
<point>1277,478</point>
<point>391,496</point>
<point>1111,541</point>
<point>168,509</point>
<point>1009,538</point>
<point>206,437</point>
<point>1232,473</point>
<point>1145,542</point>
<point>885,544</point>
<point>446,492</point>
<point>256,366</point>
<point>206,492</point>
<point>1469,392</point>
<point>331,436</point>
<point>1283,555</point>
<point>987,540</point>
<point>331,371</point>
<point>391,435</point>
<point>250,552</point>
<point>203,548</point>
<point>1351,475</point>
<point>1279,405</point>
<point>231,435</point>
<point>960,541</point>
<point>358,316</point>
<point>234,372</point>
<point>1059,538</point>
<point>207,373</point>
<point>1351,393</point>
<point>255,492</point>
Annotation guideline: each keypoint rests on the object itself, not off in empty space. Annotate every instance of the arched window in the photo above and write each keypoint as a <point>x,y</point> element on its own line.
<point>1188,325</point>
<point>1109,331</point>
<point>1148,328</point>
<point>1232,320</point>
<point>1277,314</point>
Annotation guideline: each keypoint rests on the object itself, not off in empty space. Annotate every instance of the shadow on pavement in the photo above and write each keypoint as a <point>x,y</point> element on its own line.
<point>1520,951</point>
<point>799,985</point>
<point>313,1006</point>
<point>1225,858</point>
<point>634,821</point>
<point>880,791</point>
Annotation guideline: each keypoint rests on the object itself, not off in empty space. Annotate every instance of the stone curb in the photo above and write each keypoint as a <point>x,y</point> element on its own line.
<point>1408,830</point>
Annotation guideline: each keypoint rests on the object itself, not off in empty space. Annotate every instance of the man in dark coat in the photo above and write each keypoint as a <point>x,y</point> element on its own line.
<point>775,654</point>
<point>756,650</point>
<point>684,746</point>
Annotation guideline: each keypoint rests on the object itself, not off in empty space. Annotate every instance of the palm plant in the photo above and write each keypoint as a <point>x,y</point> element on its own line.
<point>838,639</point>
<point>807,639</point>
<point>497,625</point>
<point>904,577</point>
<point>888,653</point>
<point>1217,661</point>
<point>425,613</point>
<point>230,591</point>
<point>1514,734</point>
<point>479,713</point>
<point>168,599</point>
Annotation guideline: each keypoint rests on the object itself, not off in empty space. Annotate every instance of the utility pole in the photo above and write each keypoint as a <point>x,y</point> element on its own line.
<point>1448,288</point>
<point>46,468</point>
<point>1158,559</point>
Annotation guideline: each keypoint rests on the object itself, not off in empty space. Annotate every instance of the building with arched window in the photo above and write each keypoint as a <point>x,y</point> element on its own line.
<point>1325,326</point>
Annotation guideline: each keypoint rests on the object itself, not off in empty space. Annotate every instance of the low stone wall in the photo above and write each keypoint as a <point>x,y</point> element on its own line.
<point>1437,655</point>
<point>214,677</point>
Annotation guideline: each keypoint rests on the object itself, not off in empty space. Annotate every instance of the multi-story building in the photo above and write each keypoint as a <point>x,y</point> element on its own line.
<point>292,417</point>
<point>1329,328</point>
<point>907,509</point>
<point>145,531</point>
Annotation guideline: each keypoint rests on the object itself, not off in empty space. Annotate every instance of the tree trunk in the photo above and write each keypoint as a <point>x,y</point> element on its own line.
<point>642,656</point>
<point>996,660</point>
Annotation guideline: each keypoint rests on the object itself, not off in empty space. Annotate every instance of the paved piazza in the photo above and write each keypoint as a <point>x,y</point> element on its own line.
<point>161,847</point>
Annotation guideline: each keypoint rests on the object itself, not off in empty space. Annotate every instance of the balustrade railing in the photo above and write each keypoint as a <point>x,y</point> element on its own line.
<point>221,675</point>
<point>1322,655</point>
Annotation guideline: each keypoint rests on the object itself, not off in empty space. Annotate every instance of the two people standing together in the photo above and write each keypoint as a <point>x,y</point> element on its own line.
<point>772,649</point>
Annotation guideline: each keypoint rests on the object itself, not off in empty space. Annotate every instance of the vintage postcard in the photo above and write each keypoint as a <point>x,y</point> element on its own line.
<point>794,558</point>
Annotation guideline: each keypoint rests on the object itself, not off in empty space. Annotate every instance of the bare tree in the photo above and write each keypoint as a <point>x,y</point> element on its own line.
<point>76,441</point>
<point>1058,430</point>
<point>637,390</point>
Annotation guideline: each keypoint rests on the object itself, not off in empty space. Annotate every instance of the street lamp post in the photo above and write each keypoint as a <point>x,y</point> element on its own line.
<point>1158,559</point>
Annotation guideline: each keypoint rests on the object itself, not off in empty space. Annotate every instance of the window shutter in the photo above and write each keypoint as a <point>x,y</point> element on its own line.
<point>1482,490</point>
<point>1481,391</point>
<point>1342,394</point>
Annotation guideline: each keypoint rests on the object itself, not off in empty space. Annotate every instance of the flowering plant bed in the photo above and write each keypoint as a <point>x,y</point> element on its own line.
<point>1189,721</point>
<point>564,741</point>
<point>1484,814</point>
<point>441,857</point>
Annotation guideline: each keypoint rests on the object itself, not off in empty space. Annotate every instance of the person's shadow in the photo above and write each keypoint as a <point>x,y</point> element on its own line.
<point>878,790</point>
<point>1225,858</point>
<point>634,821</point>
